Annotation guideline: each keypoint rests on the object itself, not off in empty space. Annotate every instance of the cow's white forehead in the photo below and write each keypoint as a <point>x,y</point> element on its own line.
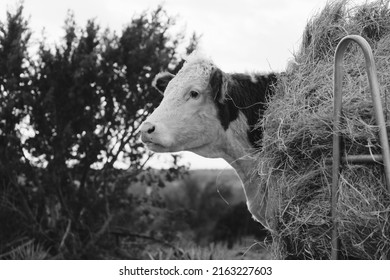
<point>195,72</point>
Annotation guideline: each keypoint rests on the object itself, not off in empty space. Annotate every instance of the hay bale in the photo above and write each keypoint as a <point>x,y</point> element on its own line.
<point>298,138</point>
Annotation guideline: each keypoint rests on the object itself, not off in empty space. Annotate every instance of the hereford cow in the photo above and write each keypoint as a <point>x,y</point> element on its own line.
<point>215,115</point>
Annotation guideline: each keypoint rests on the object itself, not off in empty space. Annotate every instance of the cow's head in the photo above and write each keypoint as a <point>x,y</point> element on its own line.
<point>191,116</point>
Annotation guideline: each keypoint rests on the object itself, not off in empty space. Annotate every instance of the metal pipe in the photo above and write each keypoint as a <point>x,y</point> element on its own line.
<point>358,159</point>
<point>374,86</point>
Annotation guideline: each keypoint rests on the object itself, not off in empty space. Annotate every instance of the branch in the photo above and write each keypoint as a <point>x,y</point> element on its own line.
<point>65,235</point>
<point>125,139</point>
<point>99,234</point>
<point>146,161</point>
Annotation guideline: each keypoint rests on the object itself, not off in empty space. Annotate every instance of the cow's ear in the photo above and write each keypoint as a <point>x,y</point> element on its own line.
<point>219,85</point>
<point>161,81</point>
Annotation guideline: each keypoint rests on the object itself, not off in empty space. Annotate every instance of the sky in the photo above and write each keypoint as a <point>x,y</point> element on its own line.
<point>240,36</point>
<point>244,35</point>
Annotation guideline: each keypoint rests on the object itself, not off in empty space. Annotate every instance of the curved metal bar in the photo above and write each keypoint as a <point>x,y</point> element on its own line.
<point>338,81</point>
<point>358,159</point>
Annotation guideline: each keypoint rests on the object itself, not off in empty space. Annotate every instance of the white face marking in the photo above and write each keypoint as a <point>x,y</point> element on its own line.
<point>187,117</point>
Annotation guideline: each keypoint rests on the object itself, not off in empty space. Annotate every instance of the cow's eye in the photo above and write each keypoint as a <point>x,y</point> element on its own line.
<point>194,94</point>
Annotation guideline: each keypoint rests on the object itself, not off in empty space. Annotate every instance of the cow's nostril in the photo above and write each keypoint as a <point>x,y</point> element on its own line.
<point>148,128</point>
<point>151,129</point>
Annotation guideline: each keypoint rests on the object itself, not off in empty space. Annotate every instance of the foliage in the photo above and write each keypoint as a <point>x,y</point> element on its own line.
<point>190,220</point>
<point>68,120</point>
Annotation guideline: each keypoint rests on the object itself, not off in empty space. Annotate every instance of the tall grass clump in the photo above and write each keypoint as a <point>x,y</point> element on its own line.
<point>298,141</point>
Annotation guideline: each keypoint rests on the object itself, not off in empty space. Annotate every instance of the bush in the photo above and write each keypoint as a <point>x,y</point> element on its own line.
<point>69,119</point>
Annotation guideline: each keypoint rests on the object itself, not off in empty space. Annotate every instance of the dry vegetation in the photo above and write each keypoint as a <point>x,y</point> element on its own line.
<point>298,140</point>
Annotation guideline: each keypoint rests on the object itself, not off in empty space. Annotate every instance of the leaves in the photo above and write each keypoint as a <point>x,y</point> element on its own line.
<point>80,104</point>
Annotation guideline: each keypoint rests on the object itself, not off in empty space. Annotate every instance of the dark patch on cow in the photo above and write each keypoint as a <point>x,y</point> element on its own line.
<point>246,93</point>
<point>227,112</point>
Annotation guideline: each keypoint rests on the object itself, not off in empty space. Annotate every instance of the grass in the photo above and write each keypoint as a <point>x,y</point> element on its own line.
<point>248,249</point>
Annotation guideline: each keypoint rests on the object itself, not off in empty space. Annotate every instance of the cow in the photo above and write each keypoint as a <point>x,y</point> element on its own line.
<point>213,114</point>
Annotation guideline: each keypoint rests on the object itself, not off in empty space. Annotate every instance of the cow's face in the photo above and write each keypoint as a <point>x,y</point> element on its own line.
<point>187,118</point>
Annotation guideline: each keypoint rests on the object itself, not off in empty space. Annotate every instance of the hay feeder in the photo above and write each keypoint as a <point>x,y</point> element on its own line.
<point>295,162</point>
<point>374,86</point>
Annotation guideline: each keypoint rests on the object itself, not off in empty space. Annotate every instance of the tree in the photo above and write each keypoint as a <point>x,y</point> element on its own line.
<point>83,102</point>
<point>14,108</point>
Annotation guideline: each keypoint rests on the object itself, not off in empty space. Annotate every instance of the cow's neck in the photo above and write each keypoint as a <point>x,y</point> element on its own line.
<point>239,153</point>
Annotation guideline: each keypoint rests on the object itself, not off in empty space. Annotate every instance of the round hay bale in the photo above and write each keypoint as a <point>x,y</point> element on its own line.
<point>298,141</point>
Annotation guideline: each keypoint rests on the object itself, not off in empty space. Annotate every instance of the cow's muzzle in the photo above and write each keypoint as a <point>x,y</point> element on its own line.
<point>147,130</point>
